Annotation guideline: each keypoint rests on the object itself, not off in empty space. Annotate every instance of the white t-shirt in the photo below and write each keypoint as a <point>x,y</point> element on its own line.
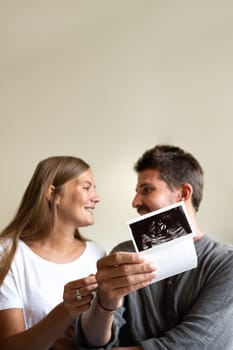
<point>36,285</point>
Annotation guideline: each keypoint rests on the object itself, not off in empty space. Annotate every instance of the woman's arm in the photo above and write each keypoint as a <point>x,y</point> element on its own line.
<point>39,337</point>
<point>44,334</point>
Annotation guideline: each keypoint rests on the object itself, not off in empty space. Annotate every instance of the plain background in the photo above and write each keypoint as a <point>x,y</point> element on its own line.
<point>107,79</point>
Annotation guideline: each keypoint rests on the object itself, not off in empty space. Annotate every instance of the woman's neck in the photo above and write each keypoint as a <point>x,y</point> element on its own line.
<point>58,247</point>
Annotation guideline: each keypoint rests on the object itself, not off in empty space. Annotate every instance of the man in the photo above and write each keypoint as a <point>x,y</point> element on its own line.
<point>192,310</point>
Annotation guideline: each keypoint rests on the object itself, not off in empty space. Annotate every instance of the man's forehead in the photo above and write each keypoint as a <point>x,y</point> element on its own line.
<point>148,176</point>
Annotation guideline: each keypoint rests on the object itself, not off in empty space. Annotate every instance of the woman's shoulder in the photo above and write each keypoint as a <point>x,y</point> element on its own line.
<point>7,244</point>
<point>94,247</point>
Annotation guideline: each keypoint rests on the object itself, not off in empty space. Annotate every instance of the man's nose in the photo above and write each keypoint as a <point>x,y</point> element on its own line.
<point>136,201</point>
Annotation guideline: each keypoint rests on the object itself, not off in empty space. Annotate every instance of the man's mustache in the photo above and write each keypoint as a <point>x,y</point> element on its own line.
<point>142,209</point>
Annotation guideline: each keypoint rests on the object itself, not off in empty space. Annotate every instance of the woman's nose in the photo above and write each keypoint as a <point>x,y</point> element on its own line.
<point>96,197</point>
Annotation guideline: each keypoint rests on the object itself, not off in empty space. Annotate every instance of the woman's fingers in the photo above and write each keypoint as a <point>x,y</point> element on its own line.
<point>78,294</point>
<point>80,288</point>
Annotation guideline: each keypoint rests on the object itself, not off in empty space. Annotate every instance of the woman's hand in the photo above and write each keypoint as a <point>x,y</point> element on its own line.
<point>78,295</point>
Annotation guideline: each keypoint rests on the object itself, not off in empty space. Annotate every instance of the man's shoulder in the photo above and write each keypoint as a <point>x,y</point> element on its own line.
<point>215,253</point>
<point>207,243</point>
<point>126,246</point>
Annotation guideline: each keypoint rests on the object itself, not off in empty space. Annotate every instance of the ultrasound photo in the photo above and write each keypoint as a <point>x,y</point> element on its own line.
<point>160,228</point>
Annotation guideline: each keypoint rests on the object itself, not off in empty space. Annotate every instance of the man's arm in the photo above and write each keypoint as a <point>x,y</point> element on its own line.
<point>117,275</point>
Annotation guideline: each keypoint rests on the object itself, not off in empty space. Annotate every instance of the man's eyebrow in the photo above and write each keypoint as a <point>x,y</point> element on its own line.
<point>144,184</point>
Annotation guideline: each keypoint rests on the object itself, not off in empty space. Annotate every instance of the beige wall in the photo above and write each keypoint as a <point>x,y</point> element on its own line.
<point>107,79</point>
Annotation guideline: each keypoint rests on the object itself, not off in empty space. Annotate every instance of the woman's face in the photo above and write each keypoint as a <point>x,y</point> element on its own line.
<point>76,202</point>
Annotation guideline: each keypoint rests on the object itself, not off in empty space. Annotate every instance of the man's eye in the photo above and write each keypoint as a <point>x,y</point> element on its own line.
<point>86,188</point>
<point>147,190</point>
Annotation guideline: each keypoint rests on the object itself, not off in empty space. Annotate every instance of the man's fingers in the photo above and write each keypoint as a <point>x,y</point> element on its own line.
<point>124,270</point>
<point>119,258</point>
<point>126,280</point>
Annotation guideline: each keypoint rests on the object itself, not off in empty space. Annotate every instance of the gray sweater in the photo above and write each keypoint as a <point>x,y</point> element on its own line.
<point>192,310</point>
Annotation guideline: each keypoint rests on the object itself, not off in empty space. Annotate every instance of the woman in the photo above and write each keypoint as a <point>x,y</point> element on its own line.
<point>42,251</point>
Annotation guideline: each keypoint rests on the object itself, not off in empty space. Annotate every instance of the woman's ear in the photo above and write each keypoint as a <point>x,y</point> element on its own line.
<point>50,193</point>
<point>186,191</point>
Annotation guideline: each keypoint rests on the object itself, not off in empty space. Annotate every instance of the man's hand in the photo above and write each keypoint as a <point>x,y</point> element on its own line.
<point>120,273</point>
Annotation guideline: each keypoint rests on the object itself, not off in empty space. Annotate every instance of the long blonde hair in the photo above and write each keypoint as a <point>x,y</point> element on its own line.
<point>35,215</point>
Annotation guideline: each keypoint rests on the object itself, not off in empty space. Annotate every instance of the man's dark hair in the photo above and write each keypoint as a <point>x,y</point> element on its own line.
<point>176,167</point>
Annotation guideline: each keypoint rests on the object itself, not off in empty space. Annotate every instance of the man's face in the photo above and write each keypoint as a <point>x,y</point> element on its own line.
<point>153,193</point>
